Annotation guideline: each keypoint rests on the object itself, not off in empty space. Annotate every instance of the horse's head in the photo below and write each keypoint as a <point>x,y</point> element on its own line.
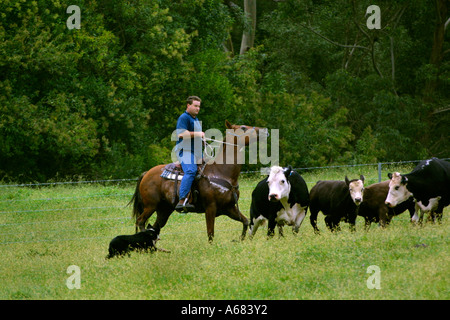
<point>248,133</point>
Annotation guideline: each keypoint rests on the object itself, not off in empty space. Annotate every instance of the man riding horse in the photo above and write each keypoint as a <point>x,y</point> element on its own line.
<point>217,187</point>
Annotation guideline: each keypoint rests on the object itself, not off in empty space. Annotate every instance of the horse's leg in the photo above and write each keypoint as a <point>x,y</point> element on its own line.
<point>235,214</point>
<point>210,215</point>
<point>142,219</point>
<point>162,216</point>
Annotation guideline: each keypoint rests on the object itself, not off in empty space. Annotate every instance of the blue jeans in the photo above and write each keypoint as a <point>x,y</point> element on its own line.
<point>189,166</point>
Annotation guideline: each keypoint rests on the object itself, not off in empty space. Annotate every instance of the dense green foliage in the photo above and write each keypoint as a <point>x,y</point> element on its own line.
<point>102,100</point>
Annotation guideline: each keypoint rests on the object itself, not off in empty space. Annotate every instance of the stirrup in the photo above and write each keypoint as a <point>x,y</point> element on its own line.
<point>185,207</point>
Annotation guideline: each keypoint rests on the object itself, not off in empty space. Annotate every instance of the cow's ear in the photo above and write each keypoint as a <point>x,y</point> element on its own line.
<point>404,180</point>
<point>347,181</point>
<point>228,124</point>
<point>361,177</point>
<point>390,175</point>
<point>287,171</point>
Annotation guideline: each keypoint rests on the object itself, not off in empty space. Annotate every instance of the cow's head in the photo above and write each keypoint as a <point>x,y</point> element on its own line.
<point>356,188</point>
<point>279,186</point>
<point>397,190</point>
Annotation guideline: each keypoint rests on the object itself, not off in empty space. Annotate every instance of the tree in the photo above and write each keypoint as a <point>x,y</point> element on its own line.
<point>248,36</point>
<point>103,100</point>
<point>437,52</point>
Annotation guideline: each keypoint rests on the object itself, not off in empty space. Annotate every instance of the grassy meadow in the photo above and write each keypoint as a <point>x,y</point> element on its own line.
<point>46,229</point>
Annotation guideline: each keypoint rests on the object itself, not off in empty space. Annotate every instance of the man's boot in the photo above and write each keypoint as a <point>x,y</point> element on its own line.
<point>183,205</point>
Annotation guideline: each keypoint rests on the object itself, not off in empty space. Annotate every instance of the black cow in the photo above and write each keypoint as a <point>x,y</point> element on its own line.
<point>338,200</point>
<point>281,198</point>
<point>373,208</point>
<point>429,179</point>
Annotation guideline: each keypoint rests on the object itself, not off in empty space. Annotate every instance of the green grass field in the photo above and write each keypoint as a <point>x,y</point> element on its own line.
<point>46,229</point>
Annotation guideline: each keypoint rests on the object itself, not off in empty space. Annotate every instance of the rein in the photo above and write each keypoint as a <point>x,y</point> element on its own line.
<point>207,145</point>
<point>232,134</point>
<point>223,142</point>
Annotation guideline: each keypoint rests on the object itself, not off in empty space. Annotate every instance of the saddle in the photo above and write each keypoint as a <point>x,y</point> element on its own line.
<point>174,171</point>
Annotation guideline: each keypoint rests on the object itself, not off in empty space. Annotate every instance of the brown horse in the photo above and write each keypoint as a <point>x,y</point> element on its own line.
<point>218,186</point>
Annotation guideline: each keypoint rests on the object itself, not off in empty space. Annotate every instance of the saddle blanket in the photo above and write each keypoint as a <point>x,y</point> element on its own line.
<point>170,171</point>
<point>167,174</point>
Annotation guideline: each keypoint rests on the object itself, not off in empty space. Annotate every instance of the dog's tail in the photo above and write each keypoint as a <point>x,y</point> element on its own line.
<point>138,204</point>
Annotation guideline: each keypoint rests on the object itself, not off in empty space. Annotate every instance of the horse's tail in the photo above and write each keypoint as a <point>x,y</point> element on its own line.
<point>138,204</point>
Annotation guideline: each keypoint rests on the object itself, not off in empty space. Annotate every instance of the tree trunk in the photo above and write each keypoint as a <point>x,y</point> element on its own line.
<point>248,36</point>
<point>438,44</point>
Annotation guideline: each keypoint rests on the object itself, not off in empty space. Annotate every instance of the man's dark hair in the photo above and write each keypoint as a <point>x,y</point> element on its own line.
<point>192,99</point>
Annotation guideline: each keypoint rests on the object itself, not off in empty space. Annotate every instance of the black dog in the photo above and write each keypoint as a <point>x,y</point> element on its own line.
<point>141,241</point>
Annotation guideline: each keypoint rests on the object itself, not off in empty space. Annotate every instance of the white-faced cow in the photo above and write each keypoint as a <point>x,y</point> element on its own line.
<point>373,208</point>
<point>338,200</point>
<point>281,198</point>
<point>429,179</point>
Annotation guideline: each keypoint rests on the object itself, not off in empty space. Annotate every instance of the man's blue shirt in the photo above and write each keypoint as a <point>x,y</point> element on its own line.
<point>189,123</point>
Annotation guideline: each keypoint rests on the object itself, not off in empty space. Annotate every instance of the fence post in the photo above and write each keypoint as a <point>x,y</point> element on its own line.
<point>379,171</point>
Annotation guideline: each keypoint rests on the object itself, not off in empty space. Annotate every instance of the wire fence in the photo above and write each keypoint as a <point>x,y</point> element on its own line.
<point>39,184</point>
<point>379,165</point>
<point>19,216</point>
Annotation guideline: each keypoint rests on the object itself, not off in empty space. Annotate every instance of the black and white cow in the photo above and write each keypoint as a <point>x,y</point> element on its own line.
<point>429,179</point>
<point>281,198</point>
<point>338,200</point>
